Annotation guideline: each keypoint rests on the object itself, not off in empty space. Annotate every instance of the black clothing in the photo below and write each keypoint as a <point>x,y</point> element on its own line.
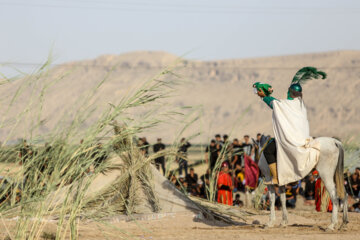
<point>183,163</point>
<point>160,161</point>
<point>214,153</point>
<point>145,148</point>
<point>192,183</point>
<point>158,147</point>
<point>309,193</point>
<point>237,152</point>
<point>226,188</point>
<point>247,148</point>
<point>184,147</point>
<point>270,152</point>
<point>192,180</point>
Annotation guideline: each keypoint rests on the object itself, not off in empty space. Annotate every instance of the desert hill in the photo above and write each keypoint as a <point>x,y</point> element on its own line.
<point>222,88</point>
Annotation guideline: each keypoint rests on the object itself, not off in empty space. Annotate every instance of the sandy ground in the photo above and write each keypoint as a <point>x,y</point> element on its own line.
<point>302,225</point>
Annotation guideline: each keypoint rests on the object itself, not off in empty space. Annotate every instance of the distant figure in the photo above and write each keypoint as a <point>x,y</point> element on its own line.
<point>309,192</point>
<point>160,161</point>
<point>192,179</point>
<point>256,147</point>
<point>290,196</point>
<point>225,186</point>
<point>237,201</point>
<point>236,153</point>
<point>247,146</point>
<point>227,150</point>
<point>182,159</point>
<point>144,146</point>
<point>211,152</point>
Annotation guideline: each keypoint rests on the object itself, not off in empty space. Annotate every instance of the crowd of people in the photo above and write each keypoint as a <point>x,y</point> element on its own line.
<point>227,159</point>
<point>227,162</point>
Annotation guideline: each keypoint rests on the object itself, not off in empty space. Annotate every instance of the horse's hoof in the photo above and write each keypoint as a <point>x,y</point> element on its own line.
<point>284,224</point>
<point>330,228</point>
<point>343,226</point>
<point>270,225</point>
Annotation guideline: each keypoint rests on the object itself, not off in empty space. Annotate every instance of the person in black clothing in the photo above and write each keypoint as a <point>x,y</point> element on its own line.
<point>237,202</point>
<point>247,146</point>
<point>236,153</point>
<point>160,161</point>
<point>309,192</point>
<point>256,147</point>
<point>182,159</point>
<point>145,146</point>
<point>204,189</point>
<point>354,185</point>
<point>218,140</point>
<point>191,180</point>
<point>290,196</point>
<point>213,152</point>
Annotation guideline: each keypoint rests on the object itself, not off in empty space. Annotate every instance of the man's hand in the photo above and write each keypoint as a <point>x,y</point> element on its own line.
<point>261,93</point>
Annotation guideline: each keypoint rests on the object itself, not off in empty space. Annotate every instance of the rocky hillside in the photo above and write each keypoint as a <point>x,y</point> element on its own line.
<point>221,88</point>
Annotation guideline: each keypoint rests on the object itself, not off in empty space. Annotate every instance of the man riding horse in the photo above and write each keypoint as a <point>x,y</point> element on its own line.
<point>293,154</point>
<point>292,146</point>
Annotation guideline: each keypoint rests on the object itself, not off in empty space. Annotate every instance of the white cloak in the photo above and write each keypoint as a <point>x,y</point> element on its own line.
<point>297,152</point>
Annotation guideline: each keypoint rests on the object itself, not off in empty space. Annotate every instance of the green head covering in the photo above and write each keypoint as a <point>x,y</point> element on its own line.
<point>266,88</point>
<point>307,73</point>
<point>296,87</point>
<point>302,76</point>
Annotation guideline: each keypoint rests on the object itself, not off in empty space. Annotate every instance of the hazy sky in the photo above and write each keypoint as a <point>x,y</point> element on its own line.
<point>81,29</point>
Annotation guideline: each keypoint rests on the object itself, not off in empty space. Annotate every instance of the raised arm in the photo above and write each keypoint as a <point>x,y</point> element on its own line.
<point>267,99</point>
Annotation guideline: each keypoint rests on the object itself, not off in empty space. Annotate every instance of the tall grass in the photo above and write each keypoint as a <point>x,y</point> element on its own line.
<point>54,182</point>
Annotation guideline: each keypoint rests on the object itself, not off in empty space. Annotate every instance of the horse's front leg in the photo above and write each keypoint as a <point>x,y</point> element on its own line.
<point>284,221</point>
<point>271,222</point>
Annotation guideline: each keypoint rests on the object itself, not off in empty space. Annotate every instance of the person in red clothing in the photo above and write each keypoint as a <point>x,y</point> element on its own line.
<point>322,199</point>
<point>225,185</point>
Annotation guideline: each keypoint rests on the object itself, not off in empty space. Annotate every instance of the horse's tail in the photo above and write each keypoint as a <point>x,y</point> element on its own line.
<point>339,173</point>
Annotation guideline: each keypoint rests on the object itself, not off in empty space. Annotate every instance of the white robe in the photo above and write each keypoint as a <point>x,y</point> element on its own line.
<point>297,152</point>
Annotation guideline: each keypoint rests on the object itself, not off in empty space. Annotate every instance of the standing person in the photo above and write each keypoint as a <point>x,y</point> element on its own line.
<point>225,186</point>
<point>293,153</point>
<point>309,192</point>
<point>212,152</point>
<point>247,146</point>
<point>160,161</point>
<point>236,153</point>
<point>192,179</point>
<point>182,159</point>
<point>256,147</point>
<point>218,140</point>
<point>145,147</point>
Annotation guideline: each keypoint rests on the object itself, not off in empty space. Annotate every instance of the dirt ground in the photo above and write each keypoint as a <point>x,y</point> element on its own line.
<point>302,225</point>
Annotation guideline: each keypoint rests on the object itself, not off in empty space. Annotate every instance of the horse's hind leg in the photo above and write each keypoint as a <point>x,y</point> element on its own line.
<point>284,221</point>
<point>345,210</point>
<point>272,205</point>
<point>330,187</point>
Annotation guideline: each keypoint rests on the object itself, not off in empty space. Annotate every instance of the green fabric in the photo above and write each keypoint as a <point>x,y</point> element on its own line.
<point>268,100</point>
<point>264,87</point>
<point>296,87</point>
<point>288,96</point>
<point>307,73</point>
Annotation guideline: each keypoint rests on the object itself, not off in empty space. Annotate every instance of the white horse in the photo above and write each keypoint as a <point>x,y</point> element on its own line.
<point>330,168</point>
